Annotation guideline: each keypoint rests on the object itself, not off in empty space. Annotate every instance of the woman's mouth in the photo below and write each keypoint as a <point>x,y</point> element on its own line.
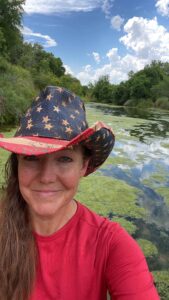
<point>46,192</point>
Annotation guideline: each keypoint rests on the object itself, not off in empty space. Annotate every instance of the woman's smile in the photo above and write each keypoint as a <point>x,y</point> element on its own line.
<point>49,182</point>
<point>47,194</point>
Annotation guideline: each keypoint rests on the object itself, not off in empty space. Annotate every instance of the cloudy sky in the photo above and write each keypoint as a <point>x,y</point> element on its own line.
<point>100,37</point>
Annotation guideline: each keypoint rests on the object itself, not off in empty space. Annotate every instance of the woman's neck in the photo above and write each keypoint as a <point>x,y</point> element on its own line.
<point>46,226</point>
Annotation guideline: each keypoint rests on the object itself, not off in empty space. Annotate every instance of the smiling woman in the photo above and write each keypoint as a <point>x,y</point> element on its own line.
<point>48,184</point>
<point>51,246</point>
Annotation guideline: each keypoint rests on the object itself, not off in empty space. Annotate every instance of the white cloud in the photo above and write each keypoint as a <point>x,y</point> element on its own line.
<point>68,70</point>
<point>112,55</point>
<point>48,41</point>
<point>117,68</point>
<point>60,6</point>
<point>117,22</point>
<point>147,39</point>
<point>96,57</point>
<point>163,7</point>
<point>115,72</point>
<point>106,7</point>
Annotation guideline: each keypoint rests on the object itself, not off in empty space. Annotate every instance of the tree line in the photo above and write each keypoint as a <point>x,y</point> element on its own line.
<point>26,68</point>
<point>146,88</point>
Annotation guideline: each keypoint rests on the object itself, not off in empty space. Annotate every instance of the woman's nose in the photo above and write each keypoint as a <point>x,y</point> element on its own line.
<point>48,172</point>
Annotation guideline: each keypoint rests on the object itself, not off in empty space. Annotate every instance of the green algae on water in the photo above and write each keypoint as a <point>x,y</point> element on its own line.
<point>107,195</point>
<point>162,283</point>
<point>148,248</point>
<point>128,225</point>
<point>164,192</point>
<point>118,160</point>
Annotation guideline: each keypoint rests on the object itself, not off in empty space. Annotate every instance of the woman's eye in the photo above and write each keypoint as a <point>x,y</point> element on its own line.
<point>30,158</point>
<point>65,159</point>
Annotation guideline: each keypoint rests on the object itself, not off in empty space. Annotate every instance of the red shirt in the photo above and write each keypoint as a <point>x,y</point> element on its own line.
<point>89,256</point>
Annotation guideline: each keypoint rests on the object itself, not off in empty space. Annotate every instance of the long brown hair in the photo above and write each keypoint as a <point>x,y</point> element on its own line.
<point>18,257</point>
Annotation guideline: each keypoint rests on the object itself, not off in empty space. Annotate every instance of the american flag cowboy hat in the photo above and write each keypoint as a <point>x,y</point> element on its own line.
<point>57,120</point>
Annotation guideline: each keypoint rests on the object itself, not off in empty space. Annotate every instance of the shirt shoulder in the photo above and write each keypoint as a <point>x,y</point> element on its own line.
<point>98,222</point>
<point>106,232</point>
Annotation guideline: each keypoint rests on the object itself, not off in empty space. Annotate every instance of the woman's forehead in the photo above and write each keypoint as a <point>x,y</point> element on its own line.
<point>68,150</point>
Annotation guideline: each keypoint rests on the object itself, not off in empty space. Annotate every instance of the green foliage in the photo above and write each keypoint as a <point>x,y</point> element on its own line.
<point>162,102</point>
<point>16,91</point>
<point>121,93</point>
<point>3,158</point>
<point>37,60</point>
<point>41,80</point>
<point>143,89</point>
<point>141,103</point>
<point>161,89</point>
<point>140,86</point>
<point>102,90</point>
<point>4,65</point>
<point>148,248</point>
<point>3,45</point>
<point>4,155</point>
<point>162,283</point>
<point>10,21</point>
<point>71,83</point>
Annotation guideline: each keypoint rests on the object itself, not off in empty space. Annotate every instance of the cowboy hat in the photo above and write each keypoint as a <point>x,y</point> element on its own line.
<point>57,120</point>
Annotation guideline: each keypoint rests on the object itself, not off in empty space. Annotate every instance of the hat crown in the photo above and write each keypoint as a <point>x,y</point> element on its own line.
<point>57,120</point>
<point>55,113</point>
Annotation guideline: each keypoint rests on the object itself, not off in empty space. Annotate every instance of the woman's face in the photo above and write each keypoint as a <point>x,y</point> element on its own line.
<point>49,182</point>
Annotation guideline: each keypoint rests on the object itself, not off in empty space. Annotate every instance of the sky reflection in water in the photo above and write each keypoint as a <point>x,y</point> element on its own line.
<point>147,145</point>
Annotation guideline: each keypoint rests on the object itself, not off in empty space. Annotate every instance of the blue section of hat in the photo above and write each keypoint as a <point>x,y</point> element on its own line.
<point>55,113</point>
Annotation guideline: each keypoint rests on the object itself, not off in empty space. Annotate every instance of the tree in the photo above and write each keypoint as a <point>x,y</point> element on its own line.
<point>36,59</point>
<point>71,83</point>
<point>161,89</point>
<point>153,72</point>
<point>102,90</point>
<point>140,87</point>
<point>3,46</point>
<point>10,22</point>
<point>121,93</point>
<point>56,65</point>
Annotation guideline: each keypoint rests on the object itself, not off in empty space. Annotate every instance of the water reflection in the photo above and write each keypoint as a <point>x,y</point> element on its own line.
<point>158,212</point>
<point>158,127</point>
<point>143,148</point>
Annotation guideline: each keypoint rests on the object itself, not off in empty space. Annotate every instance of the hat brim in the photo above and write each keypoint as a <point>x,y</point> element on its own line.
<point>32,145</point>
<point>37,145</point>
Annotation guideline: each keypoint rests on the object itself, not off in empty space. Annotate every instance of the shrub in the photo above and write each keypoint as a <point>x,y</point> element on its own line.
<point>16,92</point>
<point>162,102</point>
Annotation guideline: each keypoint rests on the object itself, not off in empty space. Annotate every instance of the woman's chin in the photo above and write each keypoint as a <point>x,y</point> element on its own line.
<point>45,211</point>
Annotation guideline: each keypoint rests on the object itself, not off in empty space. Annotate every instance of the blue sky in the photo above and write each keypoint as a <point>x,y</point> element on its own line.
<point>100,37</point>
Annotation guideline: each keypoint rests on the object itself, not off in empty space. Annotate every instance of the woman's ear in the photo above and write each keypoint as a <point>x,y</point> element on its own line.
<point>84,166</point>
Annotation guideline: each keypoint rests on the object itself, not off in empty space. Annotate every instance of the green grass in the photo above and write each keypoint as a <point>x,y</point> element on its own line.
<point>4,154</point>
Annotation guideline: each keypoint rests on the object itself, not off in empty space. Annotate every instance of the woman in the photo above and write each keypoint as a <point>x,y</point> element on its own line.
<point>51,246</point>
